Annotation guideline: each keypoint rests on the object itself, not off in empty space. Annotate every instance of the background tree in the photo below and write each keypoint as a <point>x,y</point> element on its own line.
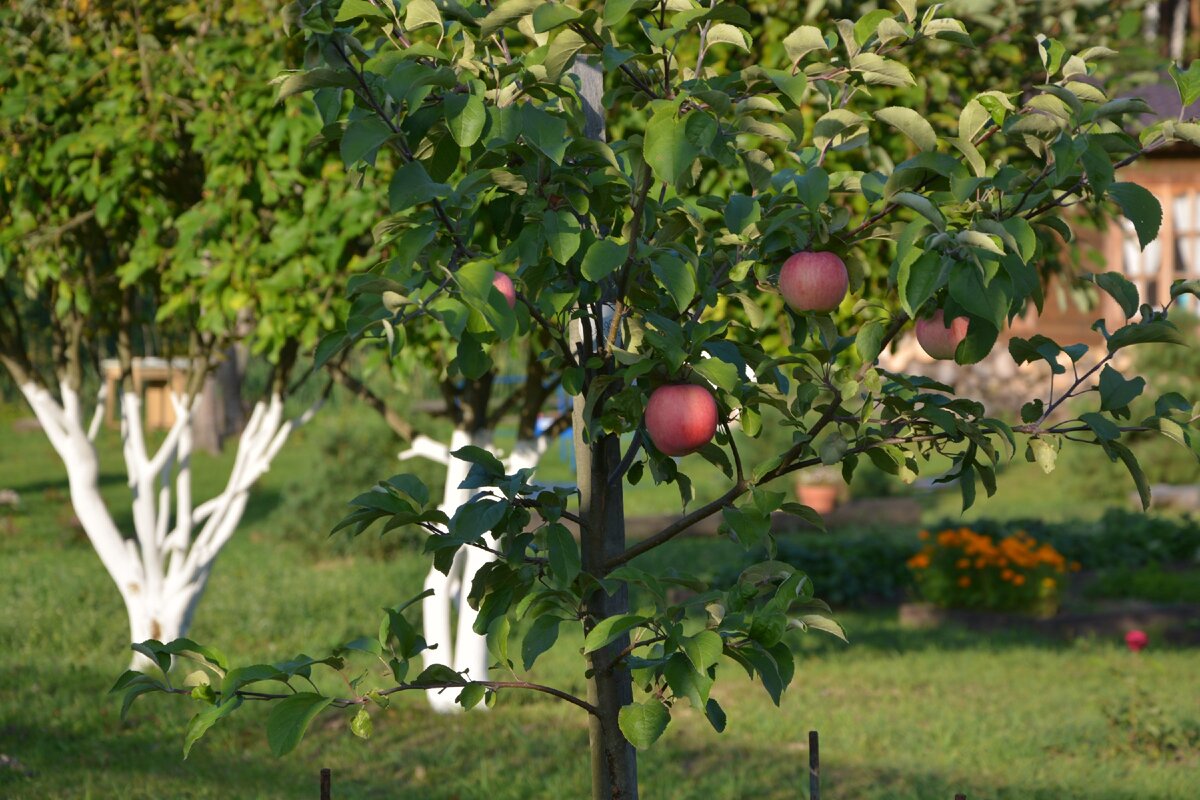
<point>154,196</point>
<point>968,216</point>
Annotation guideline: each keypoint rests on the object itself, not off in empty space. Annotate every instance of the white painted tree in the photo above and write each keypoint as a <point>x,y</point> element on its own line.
<point>201,214</point>
<point>448,617</point>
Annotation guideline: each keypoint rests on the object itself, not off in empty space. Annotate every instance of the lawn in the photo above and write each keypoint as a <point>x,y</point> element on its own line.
<point>901,714</point>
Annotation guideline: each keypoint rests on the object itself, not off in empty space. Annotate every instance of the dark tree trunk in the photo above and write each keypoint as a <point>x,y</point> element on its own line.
<point>602,508</point>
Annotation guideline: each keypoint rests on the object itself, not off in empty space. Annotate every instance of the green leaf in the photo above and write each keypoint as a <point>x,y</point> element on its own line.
<point>616,10</point>
<point>667,148</point>
<point>471,695</point>
<point>715,715</point>
<point>421,14</point>
<point>361,726</point>
<point>911,124</point>
<point>1116,392</point>
<point>1104,428</point>
<point>363,137</point>
<point>877,70</point>
<point>505,14</point>
<point>918,280</point>
<point>676,277</point>
<point>869,340</point>
<point>803,41</point>
<point>720,373</point>
<point>355,9</point>
<point>1140,207</point>
<point>544,131</point>
<point>603,258</point>
<point>1044,453</point>
<point>200,723</point>
<point>322,78</point>
<point>1158,330</point>
<point>540,637</point>
<point>608,629</point>
<point>1120,289</point>
<point>290,719</point>
<point>703,649</point>
<point>1187,82</point>
<point>793,86</point>
<point>724,33</point>
<point>867,25</point>
<point>412,185</point>
<point>564,554</point>
<point>741,212</point>
<point>562,232</point>
<point>923,206</point>
<point>465,117</point>
<point>548,16</point>
<point>643,723</point>
<point>1135,471</point>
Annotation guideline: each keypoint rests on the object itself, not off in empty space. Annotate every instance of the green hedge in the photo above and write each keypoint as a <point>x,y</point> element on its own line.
<point>863,568</point>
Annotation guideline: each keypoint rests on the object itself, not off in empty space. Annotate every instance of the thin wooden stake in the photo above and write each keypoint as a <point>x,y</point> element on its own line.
<point>326,784</point>
<point>814,767</point>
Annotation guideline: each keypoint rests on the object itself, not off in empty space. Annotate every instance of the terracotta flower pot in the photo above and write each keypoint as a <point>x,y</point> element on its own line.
<point>820,497</point>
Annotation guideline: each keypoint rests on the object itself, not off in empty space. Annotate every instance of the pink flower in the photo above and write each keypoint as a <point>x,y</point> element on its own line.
<point>1135,640</point>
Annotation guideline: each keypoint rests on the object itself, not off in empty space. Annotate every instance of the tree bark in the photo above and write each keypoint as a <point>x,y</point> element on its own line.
<point>602,508</point>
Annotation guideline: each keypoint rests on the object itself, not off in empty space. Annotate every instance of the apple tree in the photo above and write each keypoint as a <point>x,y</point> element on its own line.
<point>634,225</point>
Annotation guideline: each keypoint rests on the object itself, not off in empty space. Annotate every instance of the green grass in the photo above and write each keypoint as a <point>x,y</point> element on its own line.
<point>901,714</point>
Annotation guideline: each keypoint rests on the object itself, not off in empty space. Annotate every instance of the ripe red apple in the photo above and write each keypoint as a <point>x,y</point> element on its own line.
<point>505,285</point>
<point>939,340</point>
<point>681,418</point>
<point>814,281</point>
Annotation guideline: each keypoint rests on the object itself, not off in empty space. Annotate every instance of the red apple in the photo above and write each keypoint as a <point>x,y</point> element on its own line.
<point>814,281</point>
<point>681,418</point>
<point>939,340</point>
<point>505,285</point>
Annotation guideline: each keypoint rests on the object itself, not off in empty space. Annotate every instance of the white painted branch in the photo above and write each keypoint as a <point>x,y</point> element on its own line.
<point>98,413</point>
<point>424,447</point>
<point>131,428</point>
<point>49,415</point>
<point>119,557</point>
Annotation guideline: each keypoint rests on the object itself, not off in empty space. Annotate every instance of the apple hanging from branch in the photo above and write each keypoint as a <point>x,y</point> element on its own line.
<point>938,339</point>
<point>681,418</point>
<point>812,281</point>
<point>504,285</point>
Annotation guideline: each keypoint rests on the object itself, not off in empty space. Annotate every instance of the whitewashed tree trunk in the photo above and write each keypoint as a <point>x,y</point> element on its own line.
<point>465,650</point>
<point>162,570</point>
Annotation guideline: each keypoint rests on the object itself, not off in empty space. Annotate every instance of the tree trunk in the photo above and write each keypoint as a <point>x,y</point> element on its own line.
<point>602,508</point>
<point>469,652</point>
<point>451,590</point>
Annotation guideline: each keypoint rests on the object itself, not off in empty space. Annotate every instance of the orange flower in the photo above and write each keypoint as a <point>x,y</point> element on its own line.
<point>980,563</point>
<point>923,535</point>
<point>919,561</point>
<point>1076,566</point>
<point>1049,583</point>
<point>1007,575</point>
<point>1019,580</point>
<point>964,581</point>
<point>963,563</point>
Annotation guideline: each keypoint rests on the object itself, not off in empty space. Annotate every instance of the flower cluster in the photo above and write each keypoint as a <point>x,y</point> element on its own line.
<point>961,568</point>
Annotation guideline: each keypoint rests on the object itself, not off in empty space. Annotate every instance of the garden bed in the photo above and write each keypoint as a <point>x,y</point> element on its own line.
<point>1175,623</point>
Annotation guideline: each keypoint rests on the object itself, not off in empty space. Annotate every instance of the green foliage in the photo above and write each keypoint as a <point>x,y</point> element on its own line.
<point>473,117</point>
<point>1152,583</point>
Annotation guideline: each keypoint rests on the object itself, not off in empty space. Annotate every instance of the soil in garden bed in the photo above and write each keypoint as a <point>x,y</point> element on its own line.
<point>1176,624</point>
